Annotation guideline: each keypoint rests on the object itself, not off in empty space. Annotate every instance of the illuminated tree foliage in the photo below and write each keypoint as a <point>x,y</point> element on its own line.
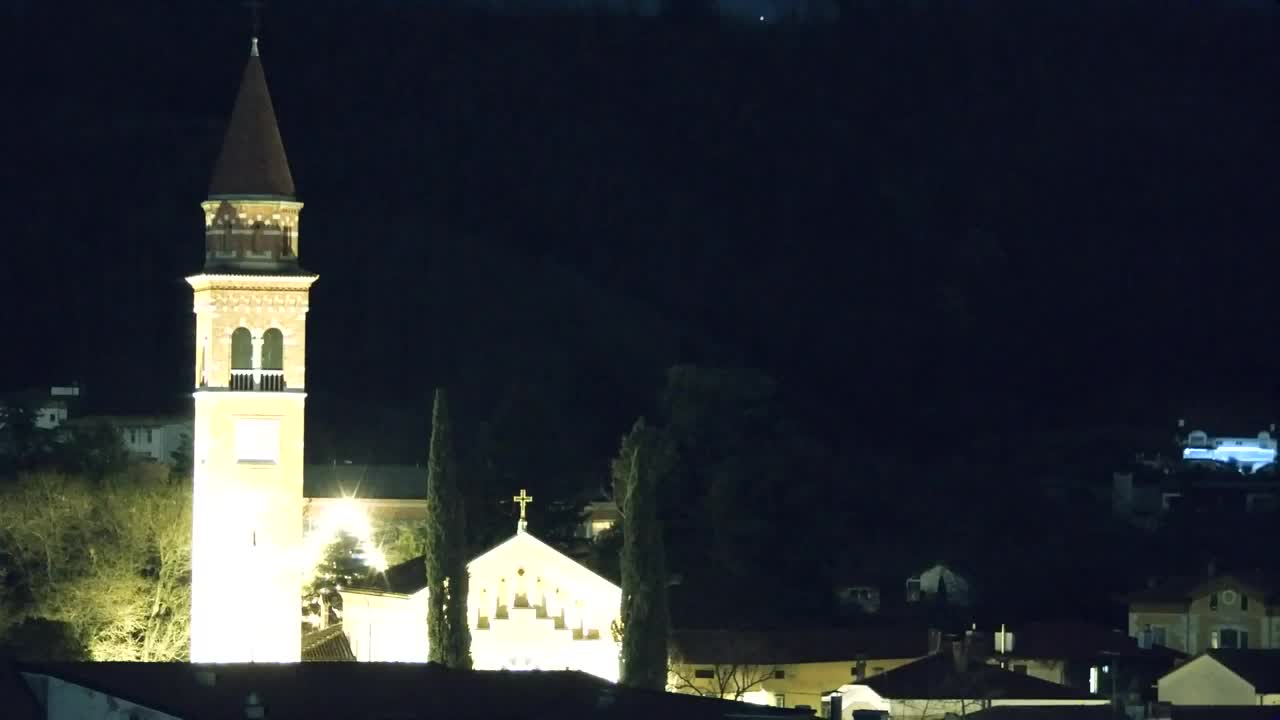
<point>447,630</point>
<point>342,564</point>
<point>104,566</point>
<point>642,462</point>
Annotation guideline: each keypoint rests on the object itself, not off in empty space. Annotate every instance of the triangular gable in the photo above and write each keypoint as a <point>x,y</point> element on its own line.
<point>409,577</point>
<point>1187,683</point>
<point>524,547</point>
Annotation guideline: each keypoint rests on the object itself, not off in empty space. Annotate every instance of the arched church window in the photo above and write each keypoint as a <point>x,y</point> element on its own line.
<point>241,359</point>
<point>241,349</point>
<point>273,349</point>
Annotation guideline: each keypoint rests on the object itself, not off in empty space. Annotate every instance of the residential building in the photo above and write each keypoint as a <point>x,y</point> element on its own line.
<point>48,410</point>
<point>939,583</point>
<point>859,597</point>
<point>146,438</point>
<point>1081,655</point>
<point>1225,678</point>
<point>952,682</point>
<point>1205,474</point>
<point>1192,615</point>
<point>791,668</point>
<point>601,515</point>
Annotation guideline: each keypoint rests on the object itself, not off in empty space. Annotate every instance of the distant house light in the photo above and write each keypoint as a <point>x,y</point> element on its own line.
<point>1249,454</point>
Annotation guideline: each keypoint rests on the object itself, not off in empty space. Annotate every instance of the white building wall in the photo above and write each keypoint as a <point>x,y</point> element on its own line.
<point>1205,681</point>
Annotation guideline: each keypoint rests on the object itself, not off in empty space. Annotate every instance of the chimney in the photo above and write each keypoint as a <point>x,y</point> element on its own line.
<point>1212,568</point>
<point>837,706</point>
<point>206,677</point>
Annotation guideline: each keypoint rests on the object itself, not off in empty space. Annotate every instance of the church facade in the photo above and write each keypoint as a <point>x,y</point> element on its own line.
<point>529,606</point>
<point>251,303</point>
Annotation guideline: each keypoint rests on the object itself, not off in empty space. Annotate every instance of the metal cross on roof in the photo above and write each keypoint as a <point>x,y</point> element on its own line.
<point>522,500</point>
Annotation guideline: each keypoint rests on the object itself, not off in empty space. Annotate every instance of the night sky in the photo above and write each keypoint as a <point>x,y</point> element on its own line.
<point>925,226</point>
<point>964,259</point>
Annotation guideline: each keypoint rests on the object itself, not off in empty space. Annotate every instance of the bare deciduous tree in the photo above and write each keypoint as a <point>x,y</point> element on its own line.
<point>112,561</point>
<point>728,681</point>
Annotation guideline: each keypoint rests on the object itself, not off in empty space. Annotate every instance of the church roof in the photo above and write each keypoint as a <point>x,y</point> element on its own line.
<point>409,691</point>
<point>383,482</point>
<point>327,645</point>
<point>406,578</point>
<point>410,576</point>
<point>252,161</point>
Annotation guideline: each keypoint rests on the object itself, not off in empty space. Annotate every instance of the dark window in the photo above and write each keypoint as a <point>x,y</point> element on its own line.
<point>273,350</point>
<point>241,349</point>
<point>704,674</point>
<point>779,674</point>
<point>1213,601</point>
<point>1232,638</point>
<point>1244,602</point>
<point>913,590</point>
<point>1020,669</point>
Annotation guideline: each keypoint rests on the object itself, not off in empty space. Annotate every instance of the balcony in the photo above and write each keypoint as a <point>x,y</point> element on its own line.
<point>257,380</point>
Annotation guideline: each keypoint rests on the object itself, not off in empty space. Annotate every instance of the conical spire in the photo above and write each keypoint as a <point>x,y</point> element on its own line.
<point>252,161</point>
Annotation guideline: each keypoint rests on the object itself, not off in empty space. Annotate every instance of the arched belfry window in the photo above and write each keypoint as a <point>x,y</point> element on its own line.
<point>273,350</point>
<point>241,359</point>
<point>241,349</point>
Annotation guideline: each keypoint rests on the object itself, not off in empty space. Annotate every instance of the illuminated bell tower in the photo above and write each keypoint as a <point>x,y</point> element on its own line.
<point>250,360</point>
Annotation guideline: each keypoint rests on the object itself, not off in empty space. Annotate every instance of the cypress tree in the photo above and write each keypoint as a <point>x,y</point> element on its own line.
<point>644,460</point>
<point>447,631</point>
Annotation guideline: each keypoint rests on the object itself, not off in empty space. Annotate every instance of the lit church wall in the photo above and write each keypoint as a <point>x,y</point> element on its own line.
<point>530,608</point>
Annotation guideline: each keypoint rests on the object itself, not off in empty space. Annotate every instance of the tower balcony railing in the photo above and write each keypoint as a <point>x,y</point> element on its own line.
<point>257,380</point>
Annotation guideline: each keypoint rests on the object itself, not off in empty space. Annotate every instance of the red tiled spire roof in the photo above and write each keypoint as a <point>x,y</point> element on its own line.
<point>252,161</point>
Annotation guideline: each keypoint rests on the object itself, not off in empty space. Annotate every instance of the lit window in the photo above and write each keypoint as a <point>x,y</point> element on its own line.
<point>258,440</point>
<point>780,700</point>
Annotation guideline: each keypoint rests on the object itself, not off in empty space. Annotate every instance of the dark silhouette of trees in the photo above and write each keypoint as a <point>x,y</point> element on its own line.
<point>639,470</point>
<point>447,630</point>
